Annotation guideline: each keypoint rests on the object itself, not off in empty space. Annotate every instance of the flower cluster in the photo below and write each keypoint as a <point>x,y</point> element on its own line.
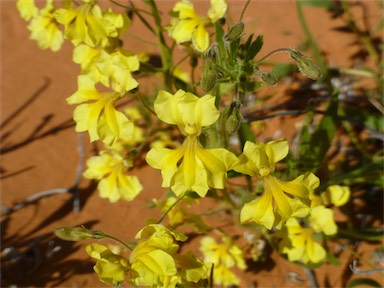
<point>189,168</point>
<point>280,200</point>
<point>43,24</point>
<point>221,257</point>
<point>188,26</point>
<point>299,241</point>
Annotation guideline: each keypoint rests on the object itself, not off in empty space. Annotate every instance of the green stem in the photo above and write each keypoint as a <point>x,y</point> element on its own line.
<point>145,22</point>
<point>273,52</point>
<point>119,241</point>
<point>170,208</point>
<point>245,8</point>
<point>313,44</point>
<point>165,51</point>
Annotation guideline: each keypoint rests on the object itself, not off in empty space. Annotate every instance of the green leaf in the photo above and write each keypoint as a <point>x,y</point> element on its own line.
<point>332,259</point>
<point>326,4</point>
<point>321,139</point>
<point>254,48</point>
<point>250,86</point>
<point>367,234</point>
<point>245,134</point>
<point>283,69</point>
<point>363,282</point>
<point>219,38</point>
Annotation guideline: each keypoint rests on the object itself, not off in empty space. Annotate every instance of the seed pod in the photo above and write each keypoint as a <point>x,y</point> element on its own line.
<point>77,233</point>
<point>305,65</point>
<point>234,32</point>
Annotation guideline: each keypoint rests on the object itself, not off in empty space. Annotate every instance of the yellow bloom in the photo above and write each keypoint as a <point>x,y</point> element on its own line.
<point>155,262</point>
<point>189,26</point>
<point>225,253</point>
<point>189,112</point>
<point>299,243</point>
<point>280,200</point>
<point>27,9</point>
<point>110,268</point>
<point>334,195</point>
<point>111,69</point>
<point>190,167</point>
<point>110,168</point>
<point>45,29</point>
<point>107,126</point>
<point>181,74</point>
<point>321,220</point>
<point>87,23</point>
<point>223,256</point>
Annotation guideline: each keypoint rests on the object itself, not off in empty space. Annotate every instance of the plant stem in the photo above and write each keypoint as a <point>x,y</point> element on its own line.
<point>273,52</point>
<point>313,44</point>
<point>119,241</point>
<point>170,208</point>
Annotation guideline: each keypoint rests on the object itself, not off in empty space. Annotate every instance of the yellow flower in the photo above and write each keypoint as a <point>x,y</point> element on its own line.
<point>299,243</point>
<point>110,168</point>
<point>181,74</point>
<point>27,9</point>
<point>107,126</point>
<point>189,26</point>
<point>87,23</point>
<point>155,262</point>
<point>111,69</point>
<point>321,220</point>
<point>45,29</point>
<point>223,256</point>
<point>334,195</point>
<point>280,200</point>
<point>190,167</point>
<point>110,268</point>
<point>189,112</point>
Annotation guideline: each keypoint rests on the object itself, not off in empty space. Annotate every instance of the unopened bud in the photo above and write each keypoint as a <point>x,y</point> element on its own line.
<point>233,122</point>
<point>306,66</point>
<point>268,78</point>
<point>209,69</point>
<point>77,233</point>
<point>234,32</point>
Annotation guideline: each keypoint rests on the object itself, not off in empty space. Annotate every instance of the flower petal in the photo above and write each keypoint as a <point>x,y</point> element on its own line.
<point>259,210</point>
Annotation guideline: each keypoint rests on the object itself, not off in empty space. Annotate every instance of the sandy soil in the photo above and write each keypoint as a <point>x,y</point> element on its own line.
<point>39,152</point>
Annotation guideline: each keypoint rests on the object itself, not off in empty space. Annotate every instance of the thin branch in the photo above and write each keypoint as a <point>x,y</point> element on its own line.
<point>356,270</point>
<point>34,198</point>
<point>311,277</point>
<point>73,189</point>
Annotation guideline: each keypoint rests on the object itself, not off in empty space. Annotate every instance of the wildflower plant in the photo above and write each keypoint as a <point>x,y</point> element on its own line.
<point>195,129</point>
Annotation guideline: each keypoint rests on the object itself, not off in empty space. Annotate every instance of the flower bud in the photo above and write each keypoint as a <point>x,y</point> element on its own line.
<point>209,69</point>
<point>305,65</point>
<point>268,78</point>
<point>233,122</point>
<point>77,233</point>
<point>234,32</point>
